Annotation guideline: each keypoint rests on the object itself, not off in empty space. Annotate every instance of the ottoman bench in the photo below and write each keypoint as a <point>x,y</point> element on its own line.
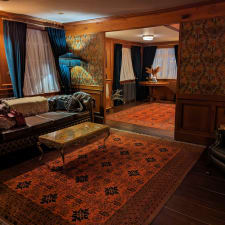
<point>79,134</point>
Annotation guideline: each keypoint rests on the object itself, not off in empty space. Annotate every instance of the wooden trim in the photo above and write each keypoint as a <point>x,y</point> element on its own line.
<point>45,94</point>
<point>162,44</point>
<point>197,11</point>
<point>215,98</point>
<point>124,42</point>
<point>30,20</point>
<point>194,138</point>
<point>88,87</point>
<point>6,89</point>
<point>172,28</point>
<point>35,27</point>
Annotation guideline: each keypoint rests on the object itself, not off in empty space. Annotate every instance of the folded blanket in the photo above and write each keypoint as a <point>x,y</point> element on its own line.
<point>29,106</point>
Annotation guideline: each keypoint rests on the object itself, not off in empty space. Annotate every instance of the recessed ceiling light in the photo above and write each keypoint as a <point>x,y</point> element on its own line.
<point>148,37</point>
<point>60,13</point>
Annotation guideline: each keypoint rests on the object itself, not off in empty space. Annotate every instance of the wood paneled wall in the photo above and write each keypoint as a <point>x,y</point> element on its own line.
<point>4,72</point>
<point>197,119</point>
<point>201,86</point>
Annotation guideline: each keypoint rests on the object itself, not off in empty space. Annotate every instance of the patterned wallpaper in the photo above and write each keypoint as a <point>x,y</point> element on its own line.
<point>91,48</point>
<point>202,68</point>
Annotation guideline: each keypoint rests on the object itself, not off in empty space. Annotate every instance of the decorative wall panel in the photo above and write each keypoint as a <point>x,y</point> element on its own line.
<point>89,47</point>
<point>202,57</point>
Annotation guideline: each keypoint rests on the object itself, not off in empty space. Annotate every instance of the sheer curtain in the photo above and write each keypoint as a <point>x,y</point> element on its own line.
<point>166,60</point>
<point>127,72</point>
<point>127,78</point>
<point>40,70</point>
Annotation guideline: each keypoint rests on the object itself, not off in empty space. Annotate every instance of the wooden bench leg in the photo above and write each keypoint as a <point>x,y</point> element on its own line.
<point>60,168</point>
<point>41,150</point>
<point>107,135</point>
<point>62,155</point>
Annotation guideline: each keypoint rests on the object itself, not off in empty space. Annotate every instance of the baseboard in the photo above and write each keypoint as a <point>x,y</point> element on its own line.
<point>194,138</point>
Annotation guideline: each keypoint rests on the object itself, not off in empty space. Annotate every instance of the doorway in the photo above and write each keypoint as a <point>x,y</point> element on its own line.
<point>154,65</point>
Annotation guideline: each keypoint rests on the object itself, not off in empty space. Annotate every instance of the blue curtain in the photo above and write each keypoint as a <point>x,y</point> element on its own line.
<point>117,69</point>
<point>65,77</point>
<point>148,58</point>
<point>57,39</point>
<point>176,52</point>
<point>15,48</point>
<point>136,62</point>
<point>117,66</point>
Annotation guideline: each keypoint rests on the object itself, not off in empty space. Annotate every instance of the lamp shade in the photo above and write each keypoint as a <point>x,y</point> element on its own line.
<point>70,60</point>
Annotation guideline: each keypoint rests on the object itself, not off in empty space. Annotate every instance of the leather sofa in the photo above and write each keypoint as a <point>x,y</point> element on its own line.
<point>18,138</point>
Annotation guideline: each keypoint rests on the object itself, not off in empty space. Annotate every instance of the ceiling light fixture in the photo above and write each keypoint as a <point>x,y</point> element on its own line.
<point>148,37</point>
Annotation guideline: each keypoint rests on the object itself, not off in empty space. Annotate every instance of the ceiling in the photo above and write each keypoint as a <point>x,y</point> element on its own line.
<point>77,10</point>
<point>161,34</point>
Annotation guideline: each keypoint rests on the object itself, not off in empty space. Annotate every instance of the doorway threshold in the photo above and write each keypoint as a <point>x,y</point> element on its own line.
<point>168,134</point>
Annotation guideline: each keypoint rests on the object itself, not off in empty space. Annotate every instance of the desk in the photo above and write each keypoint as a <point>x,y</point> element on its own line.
<point>152,85</point>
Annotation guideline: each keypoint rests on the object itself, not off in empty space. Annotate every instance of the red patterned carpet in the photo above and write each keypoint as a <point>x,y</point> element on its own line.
<point>155,115</point>
<point>126,184</point>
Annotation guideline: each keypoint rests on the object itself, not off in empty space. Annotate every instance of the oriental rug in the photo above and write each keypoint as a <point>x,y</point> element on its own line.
<point>127,183</point>
<point>154,115</point>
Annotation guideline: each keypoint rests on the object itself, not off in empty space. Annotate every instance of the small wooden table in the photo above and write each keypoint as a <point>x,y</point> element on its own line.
<point>74,135</point>
<point>152,85</point>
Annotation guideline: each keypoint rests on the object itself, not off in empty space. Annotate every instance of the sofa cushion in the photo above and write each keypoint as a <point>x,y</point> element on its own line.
<point>37,122</point>
<point>15,133</point>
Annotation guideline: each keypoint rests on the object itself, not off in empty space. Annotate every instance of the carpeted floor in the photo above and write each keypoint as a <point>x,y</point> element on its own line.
<point>155,115</point>
<point>126,184</point>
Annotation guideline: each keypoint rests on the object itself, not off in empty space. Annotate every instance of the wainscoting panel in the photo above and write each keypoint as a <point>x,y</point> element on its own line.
<point>195,117</point>
<point>97,93</point>
<point>220,115</point>
<point>197,120</point>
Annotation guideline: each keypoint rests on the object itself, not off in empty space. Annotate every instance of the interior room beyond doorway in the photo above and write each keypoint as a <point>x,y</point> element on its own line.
<point>141,74</point>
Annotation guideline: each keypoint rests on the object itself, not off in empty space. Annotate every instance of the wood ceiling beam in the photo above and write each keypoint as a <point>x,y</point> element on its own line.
<point>30,20</point>
<point>163,17</point>
<point>172,28</point>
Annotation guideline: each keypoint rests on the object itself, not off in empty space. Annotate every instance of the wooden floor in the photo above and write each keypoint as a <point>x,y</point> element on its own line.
<point>200,199</point>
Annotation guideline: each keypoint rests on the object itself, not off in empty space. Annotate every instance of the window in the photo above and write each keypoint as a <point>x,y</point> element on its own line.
<point>165,59</point>
<point>40,70</point>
